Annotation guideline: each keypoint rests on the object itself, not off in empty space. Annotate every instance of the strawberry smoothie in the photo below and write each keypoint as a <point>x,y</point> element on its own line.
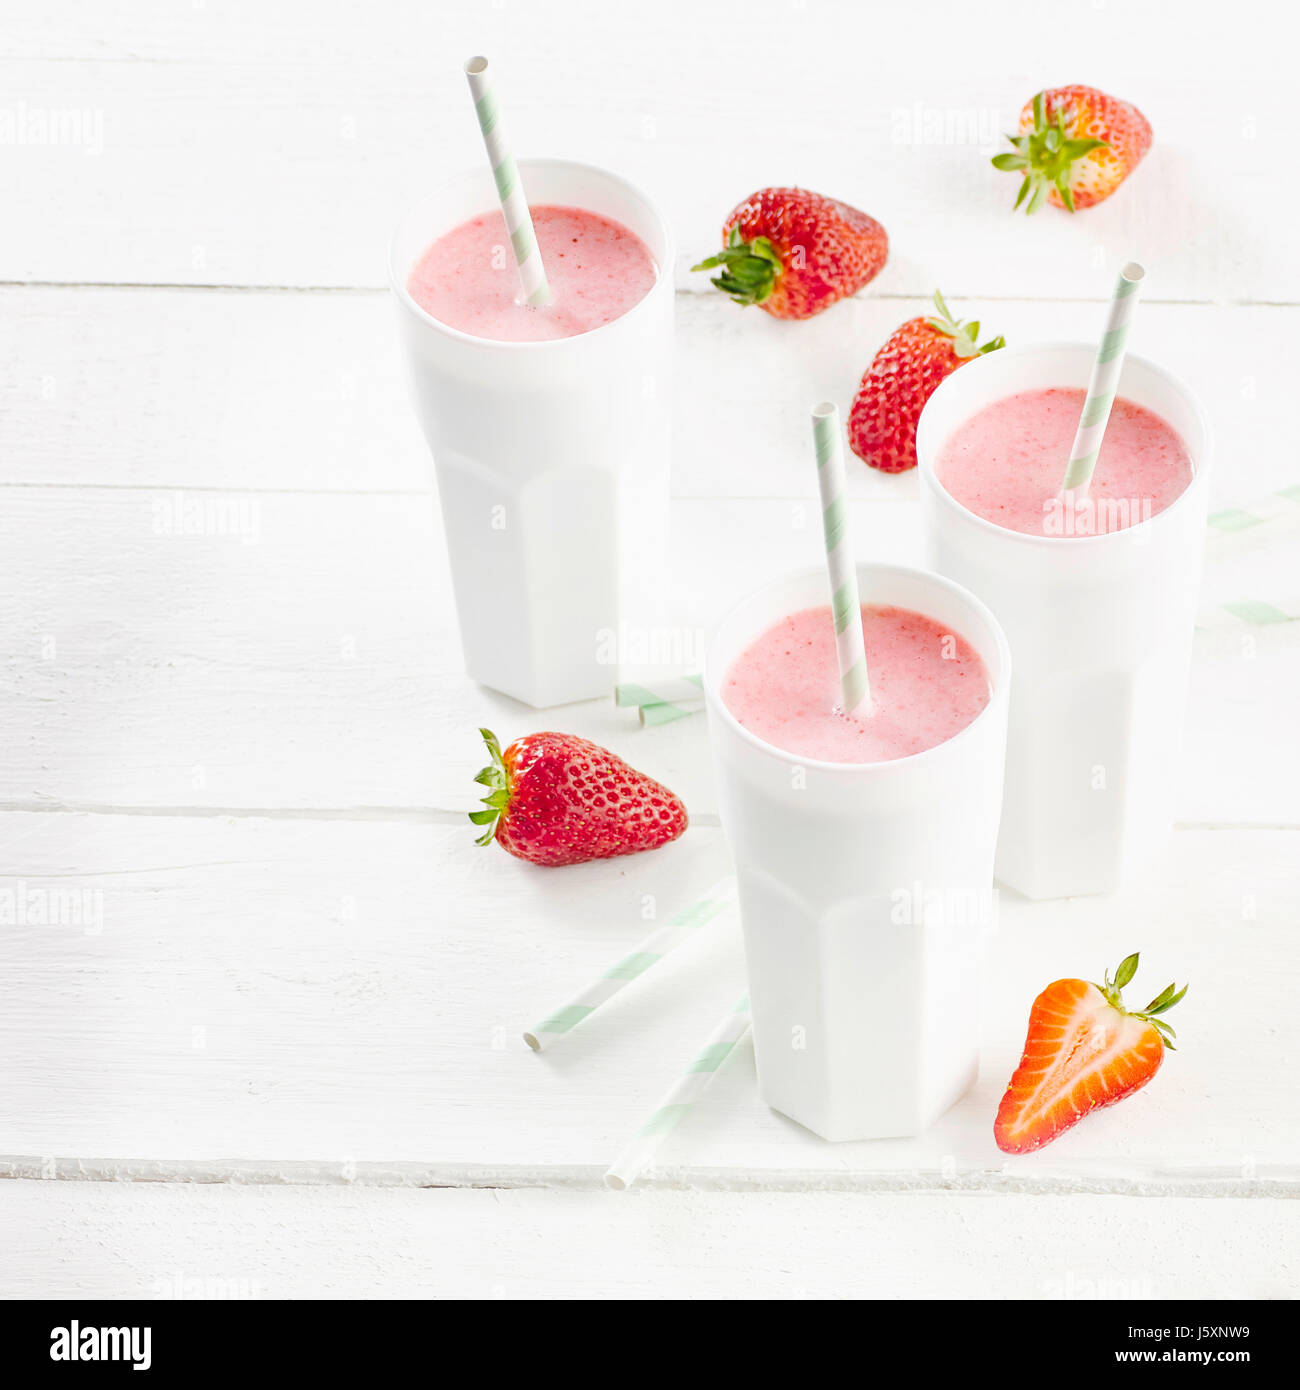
<point>865,875</point>
<point>549,426</point>
<point>1006,463</point>
<point>927,684</point>
<point>1098,608</point>
<point>597,269</point>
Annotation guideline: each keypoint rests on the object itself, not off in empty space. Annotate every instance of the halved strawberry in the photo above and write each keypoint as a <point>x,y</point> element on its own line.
<point>1084,1049</point>
<point>558,799</point>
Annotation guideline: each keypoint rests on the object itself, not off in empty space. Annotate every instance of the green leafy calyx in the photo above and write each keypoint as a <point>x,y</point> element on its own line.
<point>1161,1004</point>
<point>1045,155</point>
<point>965,336</point>
<point>750,269</point>
<point>494,778</point>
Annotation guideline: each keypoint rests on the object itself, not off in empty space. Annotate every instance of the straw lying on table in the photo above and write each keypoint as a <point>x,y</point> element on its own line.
<point>664,700</point>
<point>1249,612</point>
<point>510,188</point>
<point>653,714</point>
<point>650,952</point>
<point>1267,516</point>
<point>681,1096</point>
<point>1236,533</point>
<point>667,691</point>
<point>1102,385</point>
<point>846,607</point>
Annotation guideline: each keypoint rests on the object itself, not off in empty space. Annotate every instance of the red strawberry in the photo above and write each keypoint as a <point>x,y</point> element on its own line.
<point>1076,146</point>
<point>903,375</point>
<point>556,799</point>
<point>794,253</point>
<point>1084,1050</point>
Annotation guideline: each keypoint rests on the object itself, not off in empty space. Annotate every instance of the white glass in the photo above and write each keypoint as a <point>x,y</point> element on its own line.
<point>865,888</point>
<point>1100,630</point>
<point>552,457</point>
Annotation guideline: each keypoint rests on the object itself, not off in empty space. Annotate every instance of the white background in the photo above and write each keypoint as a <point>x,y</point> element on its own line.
<point>303,986</point>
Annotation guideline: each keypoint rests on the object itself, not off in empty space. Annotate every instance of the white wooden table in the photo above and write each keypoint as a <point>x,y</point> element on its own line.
<point>260,995</point>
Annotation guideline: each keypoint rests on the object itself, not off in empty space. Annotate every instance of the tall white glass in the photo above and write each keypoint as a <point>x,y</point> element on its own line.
<point>865,888</point>
<point>552,457</point>
<point>1100,630</point>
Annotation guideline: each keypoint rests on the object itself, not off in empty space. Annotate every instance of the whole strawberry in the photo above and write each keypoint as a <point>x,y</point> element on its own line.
<point>1075,147</point>
<point>794,253</point>
<point>1083,1050</point>
<point>902,376</point>
<point>556,799</point>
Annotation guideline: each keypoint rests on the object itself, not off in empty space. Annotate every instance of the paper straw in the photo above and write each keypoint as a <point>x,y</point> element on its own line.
<point>663,700</point>
<point>1249,612</point>
<point>846,607</point>
<point>1234,532</point>
<point>510,188</point>
<point>1102,385</point>
<point>1277,509</point>
<point>681,1097</point>
<point>665,713</point>
<point>670,690</point>
<point>650,952</point>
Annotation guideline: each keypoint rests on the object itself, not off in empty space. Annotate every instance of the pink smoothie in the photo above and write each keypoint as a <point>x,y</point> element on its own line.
<point>927,684</point>
<point>1006,462</point>
<point>597,270</point>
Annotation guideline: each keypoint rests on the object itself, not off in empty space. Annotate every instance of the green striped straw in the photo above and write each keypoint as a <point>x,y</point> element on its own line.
<point>1267,512</point>
<point>662,700</point>
<point>1104,381</point>
<point>1267,518</point>
<point>631,967</point>
<point>846,607</point>
<point>1249,612</point>
<point>680,1099</point>
<point>664,713</point>
<point>510,188</point>
<point>668,690</point>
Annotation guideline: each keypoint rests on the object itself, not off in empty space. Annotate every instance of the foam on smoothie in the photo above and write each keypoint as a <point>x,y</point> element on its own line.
<point>1009,459</point>
<point>597,269</point>
<point>927,684</point>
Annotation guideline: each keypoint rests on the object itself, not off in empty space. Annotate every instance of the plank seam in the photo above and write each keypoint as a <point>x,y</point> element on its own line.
<point>682,292</point>
<point>1204,1183</point>
<point>430,815</point>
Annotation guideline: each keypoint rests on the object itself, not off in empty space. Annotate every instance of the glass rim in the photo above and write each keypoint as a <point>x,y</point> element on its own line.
<point>999,692</point>
<point>1200,466</point>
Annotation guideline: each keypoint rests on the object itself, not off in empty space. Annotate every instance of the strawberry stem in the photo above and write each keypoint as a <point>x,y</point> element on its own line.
<point>964,335</point>
<point>750,269</point>
<point>494,778</point>
<point>1045,155</point>
<point>1162,1003</point>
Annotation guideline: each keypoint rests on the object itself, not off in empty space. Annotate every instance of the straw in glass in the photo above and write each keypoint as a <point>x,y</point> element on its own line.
<point>680,1099</point>
<point>650,952</point>
<point>846,607</point>
<point>510,188</point>
<point>1104,381</point>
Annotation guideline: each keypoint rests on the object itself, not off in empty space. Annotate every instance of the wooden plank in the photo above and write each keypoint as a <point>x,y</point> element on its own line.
<point>182,389</point>
<point>308,656</point>
<point>233,149</point>
<point>244,993</point>
<point>301,392</point>
<point>163,1242</point>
